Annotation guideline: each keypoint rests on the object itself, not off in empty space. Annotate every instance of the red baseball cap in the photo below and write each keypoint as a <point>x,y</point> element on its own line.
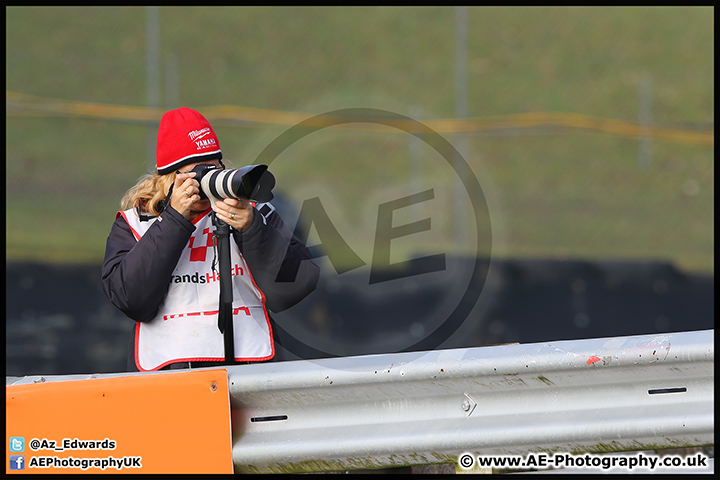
<point>184,137</point>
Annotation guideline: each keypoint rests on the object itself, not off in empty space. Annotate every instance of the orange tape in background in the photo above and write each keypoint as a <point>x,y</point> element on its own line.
<point>21,104</point>
<point>177,422</point>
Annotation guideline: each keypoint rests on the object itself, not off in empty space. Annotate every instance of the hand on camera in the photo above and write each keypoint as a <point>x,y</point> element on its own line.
<point>186,192</point>
<point>236,213</point>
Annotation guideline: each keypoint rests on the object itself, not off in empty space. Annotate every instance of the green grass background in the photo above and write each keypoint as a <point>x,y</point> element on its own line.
<point>551,192</point>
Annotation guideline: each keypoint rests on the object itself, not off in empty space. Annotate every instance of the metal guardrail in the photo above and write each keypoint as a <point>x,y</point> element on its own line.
<point>602,395</point>
<point>585,396</point>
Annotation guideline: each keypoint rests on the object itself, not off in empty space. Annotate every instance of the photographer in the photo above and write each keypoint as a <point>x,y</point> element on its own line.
<point>160,262</point>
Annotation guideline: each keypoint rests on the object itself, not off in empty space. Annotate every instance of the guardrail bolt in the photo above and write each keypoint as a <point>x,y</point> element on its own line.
<point>465,406</point>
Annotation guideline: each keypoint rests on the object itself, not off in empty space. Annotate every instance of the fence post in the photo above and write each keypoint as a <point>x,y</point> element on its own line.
<point>645,119</point>
<point>153,75</point>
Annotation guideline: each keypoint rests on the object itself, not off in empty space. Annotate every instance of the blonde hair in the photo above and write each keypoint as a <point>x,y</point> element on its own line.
<point>148,192</point>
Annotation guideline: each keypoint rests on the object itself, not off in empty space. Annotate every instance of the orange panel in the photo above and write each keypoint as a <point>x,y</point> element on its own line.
<point>171,422</point>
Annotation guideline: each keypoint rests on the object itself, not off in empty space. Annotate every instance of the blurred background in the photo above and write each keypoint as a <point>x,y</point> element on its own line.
<point>590,131</point>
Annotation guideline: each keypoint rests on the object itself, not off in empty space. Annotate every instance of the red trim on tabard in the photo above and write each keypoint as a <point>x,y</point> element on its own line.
<point>199,217</point>
<point>198,359</point>
<point>207,359</point>
<point>136,234</point>
<point>267,318</point>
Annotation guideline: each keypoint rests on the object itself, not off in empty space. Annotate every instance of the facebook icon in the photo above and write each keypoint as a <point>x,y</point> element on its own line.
<point>17,462</point>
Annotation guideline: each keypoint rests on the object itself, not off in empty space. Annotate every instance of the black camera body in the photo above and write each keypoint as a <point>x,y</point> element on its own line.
<point>253,182</point>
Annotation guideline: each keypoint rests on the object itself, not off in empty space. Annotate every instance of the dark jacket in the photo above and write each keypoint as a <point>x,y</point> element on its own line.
<point>136,275</point>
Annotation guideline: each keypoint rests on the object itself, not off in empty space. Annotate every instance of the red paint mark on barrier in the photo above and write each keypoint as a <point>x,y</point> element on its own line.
<point>593,359</point>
